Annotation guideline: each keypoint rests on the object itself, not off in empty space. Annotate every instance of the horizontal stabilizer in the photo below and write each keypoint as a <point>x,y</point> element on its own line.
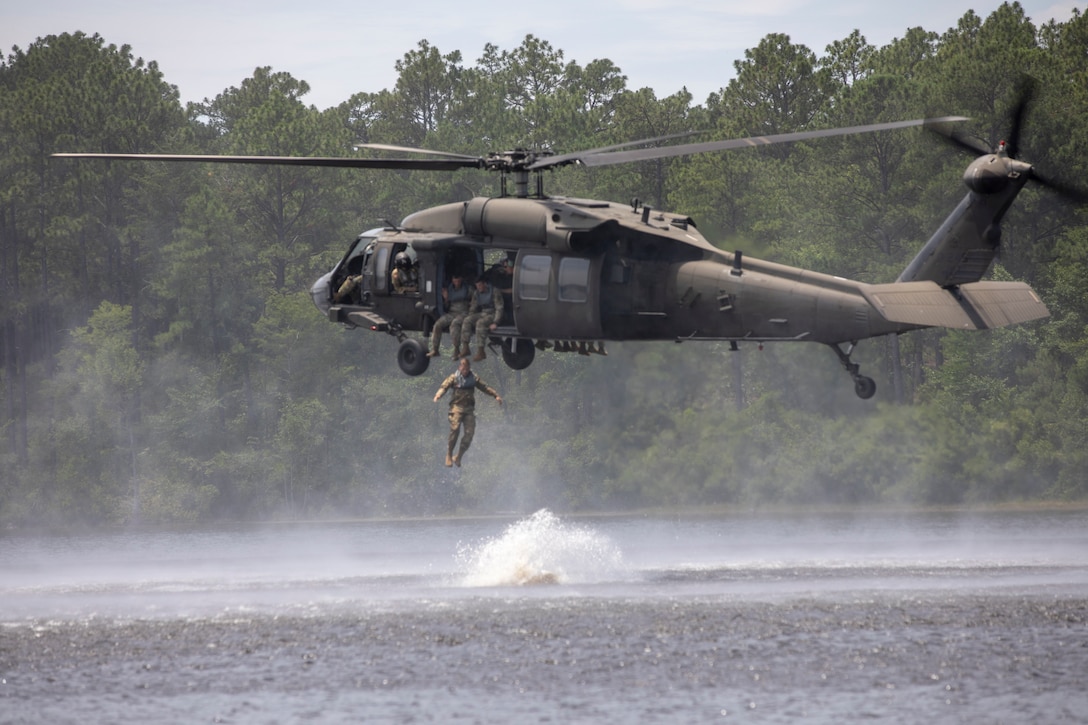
<point>974,306</point>
<point>1004,303</point>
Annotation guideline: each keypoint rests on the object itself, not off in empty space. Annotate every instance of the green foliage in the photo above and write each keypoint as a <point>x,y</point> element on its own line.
<point>160,359</point>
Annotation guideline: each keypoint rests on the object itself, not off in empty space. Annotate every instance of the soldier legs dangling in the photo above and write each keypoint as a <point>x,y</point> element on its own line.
<point>463,422</point>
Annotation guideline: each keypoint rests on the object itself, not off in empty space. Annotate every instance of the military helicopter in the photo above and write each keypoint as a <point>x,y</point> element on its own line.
<point>584,270</point>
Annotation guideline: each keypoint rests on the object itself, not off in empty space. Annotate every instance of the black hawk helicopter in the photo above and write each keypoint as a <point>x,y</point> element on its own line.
<point>584,270</point>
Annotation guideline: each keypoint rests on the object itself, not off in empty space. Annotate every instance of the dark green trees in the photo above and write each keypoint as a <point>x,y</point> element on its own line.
<point>160,359</point>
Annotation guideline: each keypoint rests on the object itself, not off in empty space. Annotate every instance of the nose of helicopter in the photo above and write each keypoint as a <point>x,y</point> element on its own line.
<point>320,293</point>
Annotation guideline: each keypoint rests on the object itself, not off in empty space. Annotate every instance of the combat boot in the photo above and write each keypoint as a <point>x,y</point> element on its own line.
<point>449,459</point>
<point>457,460</point>
<point>457,353</point>
<point>480,355</point>
<point>432,353</point>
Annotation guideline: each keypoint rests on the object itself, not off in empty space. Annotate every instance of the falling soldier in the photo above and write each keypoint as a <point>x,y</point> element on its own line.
<point>463,408</point>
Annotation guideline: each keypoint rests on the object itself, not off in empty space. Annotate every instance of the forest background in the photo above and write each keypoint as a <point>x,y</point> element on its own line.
<point>162,360</point>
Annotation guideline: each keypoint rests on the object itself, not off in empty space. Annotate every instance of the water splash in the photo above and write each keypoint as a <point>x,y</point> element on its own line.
<point>541,549</point>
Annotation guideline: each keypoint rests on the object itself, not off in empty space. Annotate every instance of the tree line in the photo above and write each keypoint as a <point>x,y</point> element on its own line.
<point>162,360</point>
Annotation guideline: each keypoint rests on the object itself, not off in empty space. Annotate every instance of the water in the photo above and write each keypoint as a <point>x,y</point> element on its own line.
<point>772,618</point>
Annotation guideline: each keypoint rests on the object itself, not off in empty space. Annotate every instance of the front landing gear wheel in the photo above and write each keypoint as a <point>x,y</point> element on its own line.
<point>864,387</point>
<point>412,357</point>
<point>517,353</point>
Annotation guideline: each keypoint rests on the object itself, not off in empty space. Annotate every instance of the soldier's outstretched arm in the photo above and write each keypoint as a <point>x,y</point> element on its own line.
<point>481,385</point>
<point>443,388</point>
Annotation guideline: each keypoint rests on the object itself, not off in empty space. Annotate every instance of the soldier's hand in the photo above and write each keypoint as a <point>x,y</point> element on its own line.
<point>437,396</point>
<point>498,399</point>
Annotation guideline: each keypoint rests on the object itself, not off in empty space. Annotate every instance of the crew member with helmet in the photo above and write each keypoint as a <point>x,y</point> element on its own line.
<point>405,276</point>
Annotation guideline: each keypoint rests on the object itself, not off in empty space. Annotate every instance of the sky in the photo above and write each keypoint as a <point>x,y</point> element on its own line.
<point>340,47</point>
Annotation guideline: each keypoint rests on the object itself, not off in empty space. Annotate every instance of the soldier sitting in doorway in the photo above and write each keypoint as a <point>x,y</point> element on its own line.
<point>456,299</point>
<point>484,312</point>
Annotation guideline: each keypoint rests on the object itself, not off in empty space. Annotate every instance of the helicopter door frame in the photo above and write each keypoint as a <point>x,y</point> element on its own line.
<point>381,267</point>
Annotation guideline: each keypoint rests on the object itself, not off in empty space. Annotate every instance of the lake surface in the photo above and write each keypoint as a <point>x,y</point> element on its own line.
<point>914,617</point>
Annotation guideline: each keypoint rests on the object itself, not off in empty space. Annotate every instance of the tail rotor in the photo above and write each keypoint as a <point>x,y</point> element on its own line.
<point>980,176</point>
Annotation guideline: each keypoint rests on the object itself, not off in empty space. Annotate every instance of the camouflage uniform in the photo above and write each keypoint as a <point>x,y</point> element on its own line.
<point>484,309</point>
<point>456,299</point>
<point>404,281</point>
<point>347,289</point>
<point>462,415</point>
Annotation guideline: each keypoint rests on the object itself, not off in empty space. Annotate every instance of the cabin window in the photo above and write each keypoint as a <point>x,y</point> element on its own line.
<point>536,272</point>
<point>574,279</point>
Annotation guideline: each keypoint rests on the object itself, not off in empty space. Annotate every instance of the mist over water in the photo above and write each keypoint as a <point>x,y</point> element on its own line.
<point>766,617</point>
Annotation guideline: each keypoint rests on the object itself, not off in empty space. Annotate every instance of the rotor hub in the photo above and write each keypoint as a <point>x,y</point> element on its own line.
<point>988,174</point>
<point>509,162</point>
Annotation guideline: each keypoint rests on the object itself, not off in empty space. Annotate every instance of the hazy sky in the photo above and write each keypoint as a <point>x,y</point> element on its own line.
<point>341,47</point>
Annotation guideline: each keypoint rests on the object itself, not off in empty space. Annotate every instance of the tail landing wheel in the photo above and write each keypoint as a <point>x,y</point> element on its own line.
<point>864,387</point>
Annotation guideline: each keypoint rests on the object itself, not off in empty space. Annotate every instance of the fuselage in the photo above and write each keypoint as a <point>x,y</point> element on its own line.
<point>592,270</point>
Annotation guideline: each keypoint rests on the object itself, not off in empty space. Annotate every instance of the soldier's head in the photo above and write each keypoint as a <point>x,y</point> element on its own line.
<point>464,366</point>
<point>458,279</point>
<point>481,283</point>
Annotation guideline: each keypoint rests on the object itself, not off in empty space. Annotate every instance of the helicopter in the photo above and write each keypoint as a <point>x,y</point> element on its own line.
<point>581,271</point>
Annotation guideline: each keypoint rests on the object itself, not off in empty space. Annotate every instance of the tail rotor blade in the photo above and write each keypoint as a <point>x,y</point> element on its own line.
<point>1025,95</point>
<point>1073,193</point>
<point>971,146</point>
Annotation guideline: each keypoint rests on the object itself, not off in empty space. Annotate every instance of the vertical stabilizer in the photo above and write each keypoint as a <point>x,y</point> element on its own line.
<point>963,248</point>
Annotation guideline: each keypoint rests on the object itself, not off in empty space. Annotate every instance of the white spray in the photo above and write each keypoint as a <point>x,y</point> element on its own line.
<point>541,549</point>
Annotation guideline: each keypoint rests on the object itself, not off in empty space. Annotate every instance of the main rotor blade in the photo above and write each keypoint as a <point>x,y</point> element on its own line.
<point>413,150</point>
<point>324,161</point>
<point>570,158</point>
<point>620,157</point>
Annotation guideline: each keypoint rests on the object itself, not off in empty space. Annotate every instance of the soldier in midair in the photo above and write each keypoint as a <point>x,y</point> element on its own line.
<point>462,416</point>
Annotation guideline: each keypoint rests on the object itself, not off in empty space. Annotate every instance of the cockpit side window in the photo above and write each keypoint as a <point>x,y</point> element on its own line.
<point>354,261</point>
<point>355,265</point>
